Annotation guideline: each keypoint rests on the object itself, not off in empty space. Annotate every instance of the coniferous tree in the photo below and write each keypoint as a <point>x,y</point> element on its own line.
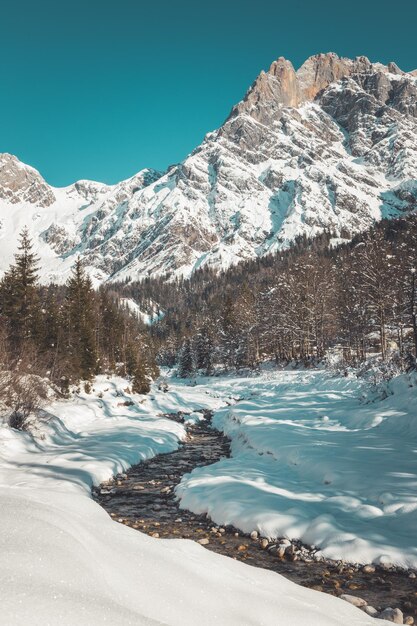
<point>185,363</point>
<point>411,307</point>
<point>203,349</point>
<point>140,379</point>
<point>229,332</point>
<point>80,330</point>
<point>111,324</point>
<point>137,370</point>
<point>19,296</point>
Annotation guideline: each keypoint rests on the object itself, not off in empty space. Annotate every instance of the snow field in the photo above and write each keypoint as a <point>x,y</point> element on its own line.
<point>64,561</point>
<point>310,461</point>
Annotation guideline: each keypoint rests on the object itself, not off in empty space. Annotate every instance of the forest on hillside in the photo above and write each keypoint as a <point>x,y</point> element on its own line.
<point>353,298</point>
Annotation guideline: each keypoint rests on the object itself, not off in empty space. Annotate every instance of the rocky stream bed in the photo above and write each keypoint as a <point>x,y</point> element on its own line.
<point>144,499</point>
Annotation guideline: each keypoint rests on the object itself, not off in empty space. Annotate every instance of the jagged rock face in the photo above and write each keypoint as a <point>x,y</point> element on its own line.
<point>282,86</point>
<point>21,183</point>
<point>330,146</point>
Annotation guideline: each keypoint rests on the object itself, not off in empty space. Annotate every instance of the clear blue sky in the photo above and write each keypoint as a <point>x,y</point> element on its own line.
<point>99,89</point>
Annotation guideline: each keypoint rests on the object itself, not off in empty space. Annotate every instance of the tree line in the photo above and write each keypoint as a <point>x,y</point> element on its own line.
<point>357,298</point>
<point>64,334</point>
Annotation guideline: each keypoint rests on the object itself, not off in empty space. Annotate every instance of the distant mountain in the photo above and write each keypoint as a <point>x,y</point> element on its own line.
<point>331,146</point>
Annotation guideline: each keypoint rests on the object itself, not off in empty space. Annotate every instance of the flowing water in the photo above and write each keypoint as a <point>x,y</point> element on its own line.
<point>144,499</point>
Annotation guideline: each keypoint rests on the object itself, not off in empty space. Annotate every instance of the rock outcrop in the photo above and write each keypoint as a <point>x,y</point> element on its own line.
<point>21,183</point>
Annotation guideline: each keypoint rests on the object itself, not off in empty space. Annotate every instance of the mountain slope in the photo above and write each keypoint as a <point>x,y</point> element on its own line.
<point>331,146</point>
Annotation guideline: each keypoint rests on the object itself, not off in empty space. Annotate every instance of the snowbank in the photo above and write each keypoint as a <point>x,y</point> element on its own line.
<point>312,462</point>
<point>64,561</point>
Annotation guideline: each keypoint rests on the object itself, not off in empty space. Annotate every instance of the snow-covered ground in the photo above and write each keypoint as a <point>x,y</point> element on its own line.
<point>146,318</point>
<point>64,561</point>
<point>311,461</point>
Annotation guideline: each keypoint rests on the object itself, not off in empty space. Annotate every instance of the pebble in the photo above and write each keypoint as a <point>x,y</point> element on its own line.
<point>290,553</point>
<point>411,575</point>
<point>155,535</point>
<point>242,548</point>
<point>392,615</point>
<point>409,620</point>
<point>353,586</point>
<point>254,534</point>
<point>386,566</point>
<point>355,600</point>
<point>264,543</point>
<point>368,569</point>
<point>203,541</point>
<point>370,610</point>
<point>281,552</point>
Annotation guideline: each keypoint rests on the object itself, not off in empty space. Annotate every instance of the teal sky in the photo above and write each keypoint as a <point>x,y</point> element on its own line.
<point>99,89</point>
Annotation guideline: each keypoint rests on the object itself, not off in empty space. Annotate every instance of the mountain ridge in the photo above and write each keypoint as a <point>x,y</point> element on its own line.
<point>330,146</point>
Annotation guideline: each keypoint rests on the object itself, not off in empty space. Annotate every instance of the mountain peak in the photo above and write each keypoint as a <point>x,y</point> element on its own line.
<point>320,70</point>
<point>394,69</point>
<point>282,86</point>
<point>21,183</point>
<point>329,146</point>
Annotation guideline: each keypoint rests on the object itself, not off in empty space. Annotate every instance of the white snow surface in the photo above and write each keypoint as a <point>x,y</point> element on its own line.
<point>312,460</point>
<point>147,318</point>
<point>64,561</point>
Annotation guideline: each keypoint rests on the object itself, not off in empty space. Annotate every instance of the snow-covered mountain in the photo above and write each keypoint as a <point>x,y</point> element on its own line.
<point>330,146</point>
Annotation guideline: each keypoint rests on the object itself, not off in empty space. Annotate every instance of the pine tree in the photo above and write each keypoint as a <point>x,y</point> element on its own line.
<point>135,367</point>
<point>229,333</point>
<point>19,295</point>
<point>80,339</point>
<point>112,322</point>
<point>51,340</point>
<point>203,349</point>
<point>413,308</point>
<point>185,363</point>
<point>140,380</point>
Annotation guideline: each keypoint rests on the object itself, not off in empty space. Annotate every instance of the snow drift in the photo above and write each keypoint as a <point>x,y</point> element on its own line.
<point>64,561</point>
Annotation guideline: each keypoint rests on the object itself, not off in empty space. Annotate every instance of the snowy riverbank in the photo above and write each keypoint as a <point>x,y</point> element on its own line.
<point>313,462</point>
<point>63,560</point>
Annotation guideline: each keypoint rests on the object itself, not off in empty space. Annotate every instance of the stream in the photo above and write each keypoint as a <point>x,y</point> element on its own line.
<point>144,499</point>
